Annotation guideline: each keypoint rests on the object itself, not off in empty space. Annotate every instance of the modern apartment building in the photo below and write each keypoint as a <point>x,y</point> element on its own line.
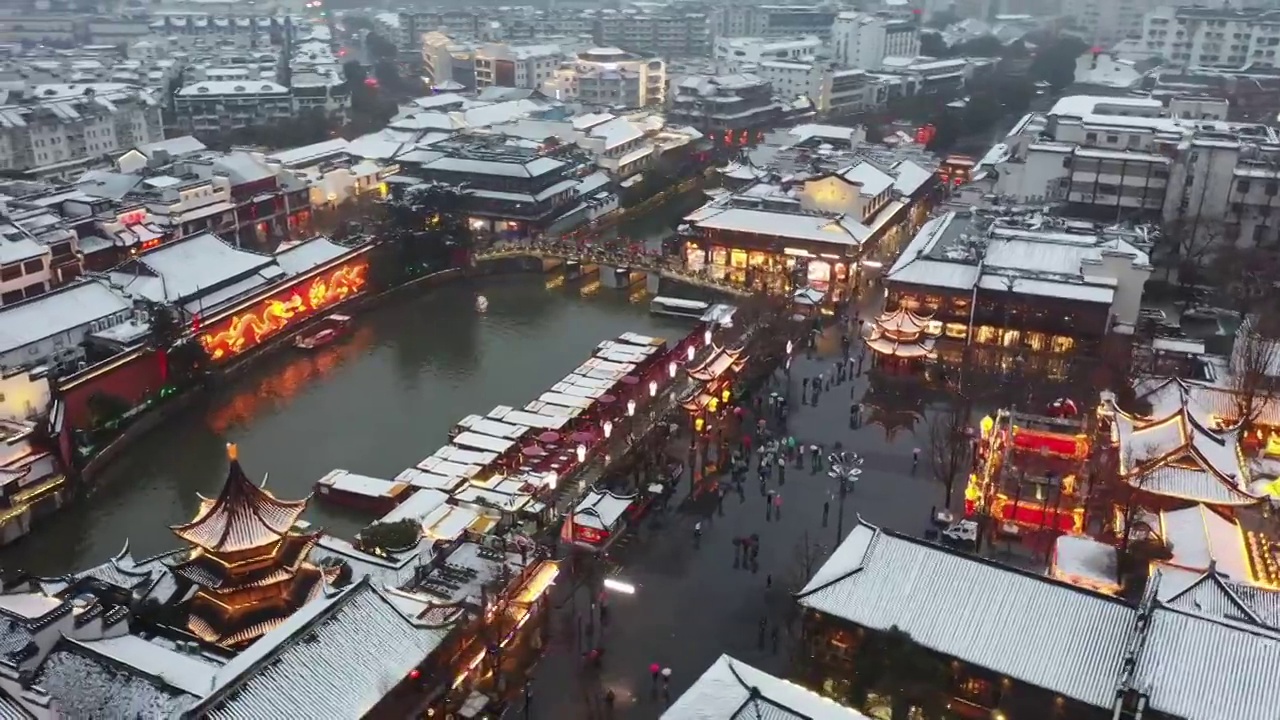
<point>670,32</point>
<point>518,66</point>
<point>610,77</point>
<point>863,40</point>
<point>51,132</point>
<point>216,106</point>
<point>1106,21</point>
<point>1123,157</point>
<point>773,21</point>
<point>1191,37</point>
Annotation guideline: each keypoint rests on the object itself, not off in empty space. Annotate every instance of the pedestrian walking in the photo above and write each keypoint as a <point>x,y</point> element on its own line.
<point>915,459</point>
<point>775,639</point>
<point>777,505</point>
<point>826,510</point>
<point>804,385</point>
<point>768,582</point>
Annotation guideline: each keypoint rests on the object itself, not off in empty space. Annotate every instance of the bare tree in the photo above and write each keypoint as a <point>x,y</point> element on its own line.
<point>1253,360</point>
<point>1248,277</point>
<point>1189,246</point>
<point>949,444</point>
<point>1138,543</point>
<point>806,558</point>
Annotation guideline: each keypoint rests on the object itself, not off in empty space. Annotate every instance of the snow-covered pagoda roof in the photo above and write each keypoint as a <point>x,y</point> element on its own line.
<point>334,658</point>
<point>731,689</point>
<point>1179,456</point>
<point>241,517</point>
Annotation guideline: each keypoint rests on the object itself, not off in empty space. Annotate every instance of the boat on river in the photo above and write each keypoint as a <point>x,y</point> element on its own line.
<point>325,331</point>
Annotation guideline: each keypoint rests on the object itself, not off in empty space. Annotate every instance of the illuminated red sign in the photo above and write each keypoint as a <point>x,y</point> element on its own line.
<point>589,535</point>
<point>246,329</point>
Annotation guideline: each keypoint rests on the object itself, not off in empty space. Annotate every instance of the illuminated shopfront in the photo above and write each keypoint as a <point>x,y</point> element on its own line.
<point>824,272</point>
<point>261,319</point>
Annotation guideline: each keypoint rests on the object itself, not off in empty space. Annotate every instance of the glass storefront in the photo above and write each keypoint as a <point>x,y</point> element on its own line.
<point>772,270</point>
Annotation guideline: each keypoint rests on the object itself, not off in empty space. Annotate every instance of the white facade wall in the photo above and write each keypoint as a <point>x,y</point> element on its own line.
<point>863,40</point>
<point>736,50</point>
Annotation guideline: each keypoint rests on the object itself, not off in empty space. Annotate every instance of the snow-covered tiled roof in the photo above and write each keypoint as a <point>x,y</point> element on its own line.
<point>978,612</point>
<point>601,509</point>
<point>91,685</point>
<point>815,228</point>
<point>1180,668</point>
<point>179,270</point>
<point>731,689</point>
<point>1214,595</point>
<point>334,658</point>
<point>300,257</point>
<point>1202,539</point>
<point>62,310</point>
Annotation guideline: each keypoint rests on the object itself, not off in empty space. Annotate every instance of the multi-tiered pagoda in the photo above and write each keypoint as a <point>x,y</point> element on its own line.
<point>248,564</point>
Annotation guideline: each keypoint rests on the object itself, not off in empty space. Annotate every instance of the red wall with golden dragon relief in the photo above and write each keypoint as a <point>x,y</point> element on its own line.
<point>248,327</point>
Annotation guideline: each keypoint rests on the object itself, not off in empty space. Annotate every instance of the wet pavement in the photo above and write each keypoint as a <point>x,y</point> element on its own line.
<point>691,604</point>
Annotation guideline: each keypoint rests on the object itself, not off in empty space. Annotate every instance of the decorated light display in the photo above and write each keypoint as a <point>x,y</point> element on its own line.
<point>689,353</point>
<point>608,429</point>
<point>229,337</point>
<point>581,452</point>
<point>653,388</point>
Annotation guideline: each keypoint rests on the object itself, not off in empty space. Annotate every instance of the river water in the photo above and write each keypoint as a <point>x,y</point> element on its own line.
<point>375,403</point>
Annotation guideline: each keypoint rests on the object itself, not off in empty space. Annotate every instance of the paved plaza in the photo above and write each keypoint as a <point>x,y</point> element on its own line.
<point>691,604</point>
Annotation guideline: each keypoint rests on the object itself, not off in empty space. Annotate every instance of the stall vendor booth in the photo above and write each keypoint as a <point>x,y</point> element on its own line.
<point>597,520</point>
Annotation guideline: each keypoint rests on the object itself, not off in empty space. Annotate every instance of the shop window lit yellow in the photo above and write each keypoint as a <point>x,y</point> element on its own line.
<point>1063,344</point>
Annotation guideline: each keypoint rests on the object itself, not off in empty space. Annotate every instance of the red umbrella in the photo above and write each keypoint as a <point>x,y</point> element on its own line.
<point>583,437</point>
<point>631,379</point>
<point>606,399</point>
<point>549,436</point>
<point>533,451</point>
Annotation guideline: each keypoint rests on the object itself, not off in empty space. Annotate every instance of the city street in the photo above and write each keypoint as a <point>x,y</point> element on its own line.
<point>691,604</point>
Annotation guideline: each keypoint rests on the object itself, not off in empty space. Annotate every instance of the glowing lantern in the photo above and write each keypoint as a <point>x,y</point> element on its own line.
<point>987,425</point>
<point>671,369</point>
<point>698,423</point>
<point>581,451</point>
<point>725,395</point>
<point>653,388</point>
<point>706,336</point>
<point>631,407</point>
<point>689,353</point>
<point>608,429</point>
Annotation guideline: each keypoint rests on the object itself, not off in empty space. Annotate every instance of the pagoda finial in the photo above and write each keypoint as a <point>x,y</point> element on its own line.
<point>233,454</point>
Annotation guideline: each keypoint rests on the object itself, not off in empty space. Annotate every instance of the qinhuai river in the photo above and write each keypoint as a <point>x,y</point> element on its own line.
<point>375,403</point>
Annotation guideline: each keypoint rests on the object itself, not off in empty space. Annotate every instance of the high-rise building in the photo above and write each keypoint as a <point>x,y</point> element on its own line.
<point>862,40</point>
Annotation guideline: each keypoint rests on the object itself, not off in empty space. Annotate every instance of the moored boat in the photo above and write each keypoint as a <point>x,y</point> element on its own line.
<point>325,331</point>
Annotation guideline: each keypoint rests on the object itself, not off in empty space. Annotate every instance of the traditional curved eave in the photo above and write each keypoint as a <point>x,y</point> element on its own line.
<point>242,517</point>
<point>902,320</point>
<point>906,351</point>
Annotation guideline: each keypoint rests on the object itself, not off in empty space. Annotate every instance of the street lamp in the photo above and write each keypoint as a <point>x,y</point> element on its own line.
<point>671,369</point>
<point>845,467</point>
<point>631,407</point>
<point>608,428</point>
<point>689,353</point>
<point>653,388</point>
<point>581,450</point>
